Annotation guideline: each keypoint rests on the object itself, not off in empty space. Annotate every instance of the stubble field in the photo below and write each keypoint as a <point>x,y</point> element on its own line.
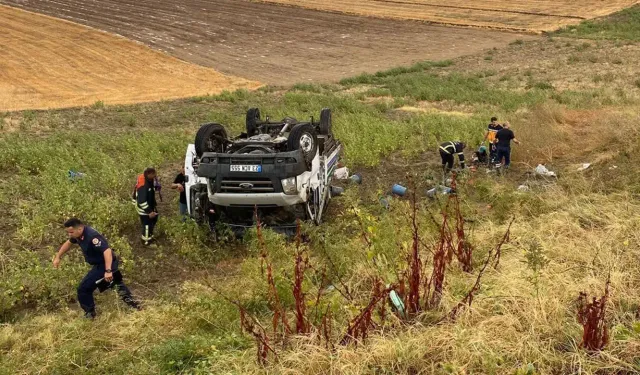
<point>50,63</point>
<point>538,16</point>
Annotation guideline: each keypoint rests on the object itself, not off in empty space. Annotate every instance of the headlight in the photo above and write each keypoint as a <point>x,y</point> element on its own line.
<point>290,186</point>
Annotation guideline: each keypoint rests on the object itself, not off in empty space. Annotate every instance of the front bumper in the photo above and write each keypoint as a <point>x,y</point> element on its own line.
<point>260,200</point>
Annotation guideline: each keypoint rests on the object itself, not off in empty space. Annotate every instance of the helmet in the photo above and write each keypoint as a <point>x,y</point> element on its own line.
<point>482,149</point>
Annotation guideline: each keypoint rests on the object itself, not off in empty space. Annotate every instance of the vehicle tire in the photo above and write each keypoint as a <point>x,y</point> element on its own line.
<point>303,136</point>
<point>253,118</point>
<point>325,121</point>
<point>210,138</point>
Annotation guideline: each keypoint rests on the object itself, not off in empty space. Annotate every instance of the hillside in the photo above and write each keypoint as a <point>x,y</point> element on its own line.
<point>572,97</point>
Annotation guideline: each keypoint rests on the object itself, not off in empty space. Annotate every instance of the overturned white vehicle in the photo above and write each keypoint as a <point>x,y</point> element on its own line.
<point>280,170</point>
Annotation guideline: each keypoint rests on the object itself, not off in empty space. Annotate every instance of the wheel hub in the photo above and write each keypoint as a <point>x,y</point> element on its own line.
<point>306,143</point>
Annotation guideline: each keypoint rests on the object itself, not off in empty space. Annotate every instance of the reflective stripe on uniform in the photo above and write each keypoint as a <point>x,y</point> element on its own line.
<point>451,144</point>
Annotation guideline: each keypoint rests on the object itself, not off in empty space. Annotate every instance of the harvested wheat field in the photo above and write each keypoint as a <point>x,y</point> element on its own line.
<point>519,15</point>
<point>50,63</point>
<point>275,44</point>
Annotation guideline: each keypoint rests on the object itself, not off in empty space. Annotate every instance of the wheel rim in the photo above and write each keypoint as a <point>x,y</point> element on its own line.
<point>306,143</point>
<point>212,144</point>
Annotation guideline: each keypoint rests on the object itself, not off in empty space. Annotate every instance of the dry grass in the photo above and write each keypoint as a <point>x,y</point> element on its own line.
<point>547,15</point>
<point>50,63</point>
<point>508,327</point>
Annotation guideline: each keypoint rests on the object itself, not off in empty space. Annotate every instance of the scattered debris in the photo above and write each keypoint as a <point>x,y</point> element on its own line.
<point>397,303</point>
<point>341,173</point>
<point>73,175</point>
<point>613,167</point>
<point>440,189</point>
<point>399,190</point>
<point>329,288</point>
<point>523,188</point>
<point>385,201</point>
<point>584,167</point>
<point>543,171</point>
<point>357,178</point>
<point>336,191</point>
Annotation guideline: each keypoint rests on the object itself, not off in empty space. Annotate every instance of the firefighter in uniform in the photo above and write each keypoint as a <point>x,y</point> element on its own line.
<point>447,151</point>
<point>146,204</point>
<point>104,273</point>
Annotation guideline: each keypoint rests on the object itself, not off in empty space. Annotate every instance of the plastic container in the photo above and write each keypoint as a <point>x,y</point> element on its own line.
<point>443,190</point>
<point>357,178</point>
<point>399,190</point>
<point>336,191</point>
<point>385,201</point>
<point>397,303</point>
<point>73,175</point>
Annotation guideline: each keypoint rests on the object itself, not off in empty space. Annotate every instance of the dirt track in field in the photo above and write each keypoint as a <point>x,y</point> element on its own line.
<point>520,15</point>
<point>272,43</point>
<point>50,63</point>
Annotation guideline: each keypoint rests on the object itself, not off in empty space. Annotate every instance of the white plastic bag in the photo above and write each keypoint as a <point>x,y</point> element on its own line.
<point>341,173</point>
<point>543,171</point>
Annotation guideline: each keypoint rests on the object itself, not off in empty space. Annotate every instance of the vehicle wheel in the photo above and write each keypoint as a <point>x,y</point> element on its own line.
<point>303,137</point>
<point>325,121</point>
<point>210,138</point>
<point>253,118</point>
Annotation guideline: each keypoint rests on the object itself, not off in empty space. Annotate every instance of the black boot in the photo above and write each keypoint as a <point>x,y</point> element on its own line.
<point>132,303</point>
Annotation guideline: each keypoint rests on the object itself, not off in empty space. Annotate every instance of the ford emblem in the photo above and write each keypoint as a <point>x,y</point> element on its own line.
<point>246,185</point>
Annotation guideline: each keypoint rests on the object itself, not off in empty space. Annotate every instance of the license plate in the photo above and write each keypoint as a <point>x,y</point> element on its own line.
<point>246,168</point>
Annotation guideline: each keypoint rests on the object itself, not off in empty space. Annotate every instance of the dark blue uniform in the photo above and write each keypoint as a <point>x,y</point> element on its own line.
<point>146,204</point>
<point>447,150</point>
<point>93,246</point>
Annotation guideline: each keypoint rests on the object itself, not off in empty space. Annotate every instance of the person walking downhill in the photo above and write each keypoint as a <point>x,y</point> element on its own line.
<point>504,137</point>
<point>146,204</point>
<point>104,273</point>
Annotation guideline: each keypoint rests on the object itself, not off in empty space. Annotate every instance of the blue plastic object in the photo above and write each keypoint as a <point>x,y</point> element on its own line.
<point>399,190</point>
<point>336,191</point>
<point>73,175</point>
<point>357,178</point>
<point>397,303</point>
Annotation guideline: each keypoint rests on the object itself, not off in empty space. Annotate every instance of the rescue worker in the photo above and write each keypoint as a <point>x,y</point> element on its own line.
<point>146,204</point>
<point>104,273</point>
<point>447,151</point>
<point>504,137</point>
<point>490,137</point>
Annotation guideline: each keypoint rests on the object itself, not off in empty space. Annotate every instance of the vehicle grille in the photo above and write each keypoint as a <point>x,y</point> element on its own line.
<point>246,185</point>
